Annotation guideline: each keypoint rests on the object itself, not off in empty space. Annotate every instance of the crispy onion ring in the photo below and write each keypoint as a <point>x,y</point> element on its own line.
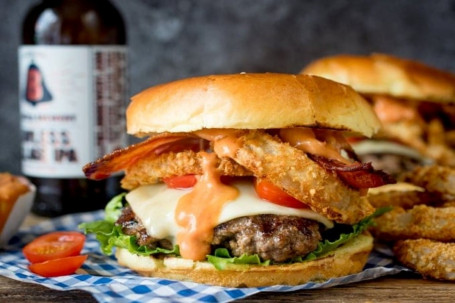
<point>402,198</point>
<point>430,258</point>
<point>419,222</point>
<point>437,180</point>
<point>152,170</point>
<point>290,169</point>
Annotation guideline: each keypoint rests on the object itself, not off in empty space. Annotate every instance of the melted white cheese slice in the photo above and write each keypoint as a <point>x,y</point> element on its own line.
<point>155,206</point>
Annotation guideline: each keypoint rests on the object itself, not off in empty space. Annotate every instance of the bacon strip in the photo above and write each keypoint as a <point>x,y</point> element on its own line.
<point>122,159</point>
<point>356,175</point>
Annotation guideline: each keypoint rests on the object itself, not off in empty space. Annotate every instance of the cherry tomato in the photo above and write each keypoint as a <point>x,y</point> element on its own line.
<point>185,181</point>
<point>58,267</point>
<point>270,192</point>
<point>54,245</point>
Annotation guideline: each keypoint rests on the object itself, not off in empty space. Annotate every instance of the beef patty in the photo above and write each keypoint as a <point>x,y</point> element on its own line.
<point>272,237</point>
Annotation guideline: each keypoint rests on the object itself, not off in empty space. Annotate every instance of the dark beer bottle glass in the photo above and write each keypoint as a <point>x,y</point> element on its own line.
<point>72,93</point>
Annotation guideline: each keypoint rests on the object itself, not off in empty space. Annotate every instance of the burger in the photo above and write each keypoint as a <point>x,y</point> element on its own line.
<point>414,102</point>
<point>416,106</point>
<point>244,180</point>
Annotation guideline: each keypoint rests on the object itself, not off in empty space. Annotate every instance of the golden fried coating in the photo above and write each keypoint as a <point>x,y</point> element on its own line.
<point>437,180</point>
<point>291,169</point>
<point>405,200</point>
<point>419,222</point>
<point>430,258</point>
<point>401,194</point>
<point>152,169</point>
<point>419,229</point>
<point>440,145</point>
<point>449,204</point>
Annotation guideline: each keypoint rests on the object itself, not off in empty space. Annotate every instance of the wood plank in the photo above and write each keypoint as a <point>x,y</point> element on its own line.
<point>403,288</point>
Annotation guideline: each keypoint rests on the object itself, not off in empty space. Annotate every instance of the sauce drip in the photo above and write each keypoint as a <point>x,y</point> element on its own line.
<point>305,140</point>
<point>224,140</point>
<point>197,212</point>
<point>390,110</point>
<point>214,134</point>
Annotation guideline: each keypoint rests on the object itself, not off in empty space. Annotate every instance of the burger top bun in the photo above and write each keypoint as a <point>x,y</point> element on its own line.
<point>249,101</point>
<point>384,74</point>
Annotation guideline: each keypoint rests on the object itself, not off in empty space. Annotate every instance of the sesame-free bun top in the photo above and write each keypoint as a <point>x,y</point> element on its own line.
<point>249,101</point>
<point>387,75</point>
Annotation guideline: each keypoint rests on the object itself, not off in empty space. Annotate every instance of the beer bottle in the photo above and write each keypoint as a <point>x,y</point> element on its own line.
<point>72,93</point>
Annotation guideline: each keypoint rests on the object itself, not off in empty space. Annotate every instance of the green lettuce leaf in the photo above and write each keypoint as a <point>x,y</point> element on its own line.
<point>327,246</point>
<point>222,258</point>
<point>113,209</point>
<point>110,235</point>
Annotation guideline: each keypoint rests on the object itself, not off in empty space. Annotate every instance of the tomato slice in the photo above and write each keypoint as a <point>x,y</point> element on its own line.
<point>54,245</point>
<point>185,181</point>
<point>268,191</point>
<point>58,267</point>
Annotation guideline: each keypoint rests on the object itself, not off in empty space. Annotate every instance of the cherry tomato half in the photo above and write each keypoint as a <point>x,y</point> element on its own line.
<point>185,181</point>
<point>58,267</point>
<point>54,245</point>
<point>270,192</point>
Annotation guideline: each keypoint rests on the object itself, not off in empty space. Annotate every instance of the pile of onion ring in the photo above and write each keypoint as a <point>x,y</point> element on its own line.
<point>421,224</point>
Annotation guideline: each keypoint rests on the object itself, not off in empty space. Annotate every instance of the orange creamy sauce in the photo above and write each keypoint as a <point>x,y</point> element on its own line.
<point>197,212</point>
<point>390,110</point>
<point>224,140</point>
<point>305,140</point>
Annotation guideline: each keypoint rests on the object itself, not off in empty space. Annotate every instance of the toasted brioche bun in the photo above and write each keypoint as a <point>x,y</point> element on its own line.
<point>347,259</point>
<point>249,101</point>
<point>388,75</point>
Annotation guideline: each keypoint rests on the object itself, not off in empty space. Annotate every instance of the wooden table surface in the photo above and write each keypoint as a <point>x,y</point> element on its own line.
<point>404,287</point>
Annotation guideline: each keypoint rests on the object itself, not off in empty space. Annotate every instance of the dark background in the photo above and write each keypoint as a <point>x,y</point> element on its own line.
<point>175,39</point>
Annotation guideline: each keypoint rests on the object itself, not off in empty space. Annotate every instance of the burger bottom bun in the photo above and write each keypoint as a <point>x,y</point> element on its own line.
<point>347,259</point>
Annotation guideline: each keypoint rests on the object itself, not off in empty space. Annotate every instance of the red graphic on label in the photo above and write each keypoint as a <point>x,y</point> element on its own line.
<point>36,90</point>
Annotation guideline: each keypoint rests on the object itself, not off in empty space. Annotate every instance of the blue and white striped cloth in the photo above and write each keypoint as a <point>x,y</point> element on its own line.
<point>108,282</point>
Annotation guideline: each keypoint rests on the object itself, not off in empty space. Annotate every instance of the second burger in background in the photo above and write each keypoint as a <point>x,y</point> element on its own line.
<point>246,180</point>
<point>415,103</point>
<point>416,106</point>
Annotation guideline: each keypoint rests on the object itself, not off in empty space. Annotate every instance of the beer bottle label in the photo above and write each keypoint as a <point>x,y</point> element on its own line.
<point>72,103</point>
